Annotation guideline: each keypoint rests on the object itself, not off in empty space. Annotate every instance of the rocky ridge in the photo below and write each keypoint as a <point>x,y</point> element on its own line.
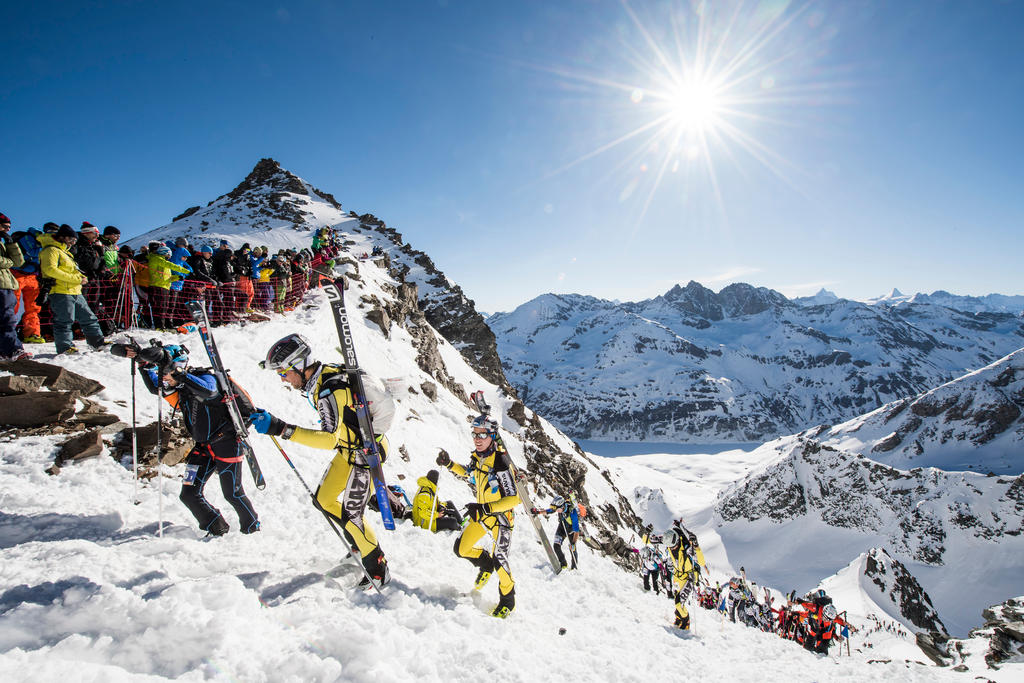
<point>743,364</point>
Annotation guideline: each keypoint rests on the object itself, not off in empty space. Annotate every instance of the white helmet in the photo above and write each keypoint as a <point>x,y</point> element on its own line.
<point>288,352</point>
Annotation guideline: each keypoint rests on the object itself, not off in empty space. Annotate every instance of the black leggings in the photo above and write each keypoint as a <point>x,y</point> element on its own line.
<point>230,484</point>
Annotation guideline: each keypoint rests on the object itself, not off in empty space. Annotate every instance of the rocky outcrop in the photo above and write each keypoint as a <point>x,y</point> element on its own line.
<point>900,587</point>
<point>914,510</point>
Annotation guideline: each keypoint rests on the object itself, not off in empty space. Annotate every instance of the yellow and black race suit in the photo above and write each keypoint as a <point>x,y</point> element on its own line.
<point>348,475</point>
<point>492,476</point>
<point>689,560</point>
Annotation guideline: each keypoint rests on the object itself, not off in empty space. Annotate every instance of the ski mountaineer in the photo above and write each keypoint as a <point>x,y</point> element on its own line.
<point>206,417</point>
<point>490,473</point>
<point>689,561</point>
<point>650,562</point>
<point>568,526</point>
<point>348,475</point>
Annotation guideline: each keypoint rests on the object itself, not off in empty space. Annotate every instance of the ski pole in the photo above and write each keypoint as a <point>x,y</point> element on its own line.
<point>135,443</point>
<point>326,514</point>
<point>160,448</point>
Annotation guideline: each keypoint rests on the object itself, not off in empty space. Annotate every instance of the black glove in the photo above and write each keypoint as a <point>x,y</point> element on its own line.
<point>442,459</point>
<point>475,511</point>
<point>153,355</point>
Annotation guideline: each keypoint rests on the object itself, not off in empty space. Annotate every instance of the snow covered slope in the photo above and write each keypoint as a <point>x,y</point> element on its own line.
<point>972,423</point>
<point>825,506</point>
<point>745,364</point>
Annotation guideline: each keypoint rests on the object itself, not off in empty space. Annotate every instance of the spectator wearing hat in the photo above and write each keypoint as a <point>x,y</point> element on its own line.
<point>180,254</point>
<point>161,274</point>
<point>224,272</point>
<point>282,278</point>
<point>65,297</point>
<point>10,257</point>
<point>27,276</point>
<point>99,293</point>
<point>108,240</point>
<point>246,290</point>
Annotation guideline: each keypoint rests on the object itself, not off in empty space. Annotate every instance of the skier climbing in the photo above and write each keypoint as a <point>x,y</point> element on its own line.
<point>348,475</point>
<point>650,562</point>
<point>689,561</point>
<point>206,417</point>
<point>568,526</point>
<point>496,496</point>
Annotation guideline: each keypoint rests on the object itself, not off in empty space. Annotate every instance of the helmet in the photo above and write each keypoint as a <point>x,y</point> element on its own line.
<point>671,538</point>
<point>829,612</point>
<point>557,502</point>
<point>163,250</point>
<point>177,356</point>
<point>820,593</point>
<point>484,422</point>
<point>181,242</point>
<point>288,352</point>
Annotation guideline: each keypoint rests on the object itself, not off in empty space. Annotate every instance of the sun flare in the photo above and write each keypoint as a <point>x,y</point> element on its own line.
<point>698,86</point>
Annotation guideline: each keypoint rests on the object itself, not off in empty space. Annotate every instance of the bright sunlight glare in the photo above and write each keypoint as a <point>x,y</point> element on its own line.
<point>703,84</point>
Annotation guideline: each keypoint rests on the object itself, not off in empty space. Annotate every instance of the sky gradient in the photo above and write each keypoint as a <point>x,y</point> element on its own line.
<point>855,145</point>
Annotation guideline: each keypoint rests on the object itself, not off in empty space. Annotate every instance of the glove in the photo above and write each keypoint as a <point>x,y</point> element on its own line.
<point>475,511</point>
<point>442,459</point>
<point>535,511</point>
<point>153,355</point>
<point>265,423</point>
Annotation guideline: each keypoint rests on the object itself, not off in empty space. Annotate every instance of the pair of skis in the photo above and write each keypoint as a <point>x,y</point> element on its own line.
<point>371,449</point>
<point>227,390</point>
<point>524,495</point>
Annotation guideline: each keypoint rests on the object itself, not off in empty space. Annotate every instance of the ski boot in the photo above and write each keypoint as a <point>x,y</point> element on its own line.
<point>486,565</point>
<point>506,603</point>
<point>218,527</point>
<point>380,574</point>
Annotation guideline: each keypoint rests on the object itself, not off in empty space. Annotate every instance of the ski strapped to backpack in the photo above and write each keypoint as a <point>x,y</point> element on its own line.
<point>520,479</point>
<point>227,390</point>
<point>371,450</point>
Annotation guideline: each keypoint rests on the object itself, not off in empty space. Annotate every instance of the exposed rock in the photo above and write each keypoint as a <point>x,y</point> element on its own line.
<point>902,588</point>
<point>57,377</point>
<point>15,384</point>
<point>86,445</point>
<point>935,646</point>
<point>175,445</point>
<point>429,390</point>
<point>37,409</point>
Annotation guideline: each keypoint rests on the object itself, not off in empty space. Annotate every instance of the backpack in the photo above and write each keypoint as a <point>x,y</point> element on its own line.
<point>397,501</point>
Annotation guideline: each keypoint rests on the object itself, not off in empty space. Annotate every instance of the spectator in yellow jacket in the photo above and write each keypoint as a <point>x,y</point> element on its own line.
<point>65,297</point>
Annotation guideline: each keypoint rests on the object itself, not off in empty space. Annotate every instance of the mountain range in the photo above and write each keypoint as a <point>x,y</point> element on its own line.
<point>744,364</point>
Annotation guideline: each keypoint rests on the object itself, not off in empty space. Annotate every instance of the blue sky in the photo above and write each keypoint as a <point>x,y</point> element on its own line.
<point>856,145</point>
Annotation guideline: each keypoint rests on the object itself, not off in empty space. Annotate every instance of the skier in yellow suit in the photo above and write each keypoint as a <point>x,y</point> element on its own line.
<point>689,561</point>
<point>491,474</point>
<point>348,475</point>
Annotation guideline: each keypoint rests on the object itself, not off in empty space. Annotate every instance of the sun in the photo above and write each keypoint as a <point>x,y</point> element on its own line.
<point>705,85</point>
<point>694,106</point>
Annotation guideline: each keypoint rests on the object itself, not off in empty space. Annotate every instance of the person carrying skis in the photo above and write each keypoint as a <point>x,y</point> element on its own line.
<point>348,475</point>
<point>650,562</point>
<point>165,373</point>
<point>568,526</point>
<point>689,561</point>
<point>445,516</point>
<point>493,512</point>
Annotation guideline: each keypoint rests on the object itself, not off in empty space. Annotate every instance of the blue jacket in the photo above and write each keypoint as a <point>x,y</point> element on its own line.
<point>179,257</point>
<point>30,248</point>
<point>254,265</point>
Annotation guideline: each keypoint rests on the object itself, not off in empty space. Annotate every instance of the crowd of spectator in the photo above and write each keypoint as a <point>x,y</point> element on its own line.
<point>57,277</point>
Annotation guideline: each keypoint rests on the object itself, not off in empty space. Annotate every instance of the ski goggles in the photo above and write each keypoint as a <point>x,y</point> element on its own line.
<point>481,435</point>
